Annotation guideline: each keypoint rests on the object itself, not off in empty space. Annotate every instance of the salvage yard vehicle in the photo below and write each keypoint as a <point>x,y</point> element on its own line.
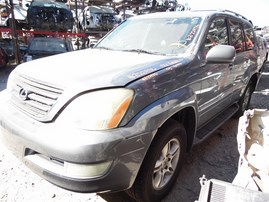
<point>123,118</point>
<point>3,58</point>
<point>7,45</point>
<point>98,18</point>
<point>19,18</point>
<point>40,47</point>
<point>49,15</point>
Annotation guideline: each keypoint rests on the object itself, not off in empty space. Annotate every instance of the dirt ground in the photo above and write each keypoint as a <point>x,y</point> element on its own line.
<point>215,158</point>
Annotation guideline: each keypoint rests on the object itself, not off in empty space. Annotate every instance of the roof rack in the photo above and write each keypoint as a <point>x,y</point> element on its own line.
<point>237,14</point>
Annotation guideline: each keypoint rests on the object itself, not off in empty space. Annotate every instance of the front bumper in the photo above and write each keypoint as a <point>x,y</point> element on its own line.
<point>75,159</point>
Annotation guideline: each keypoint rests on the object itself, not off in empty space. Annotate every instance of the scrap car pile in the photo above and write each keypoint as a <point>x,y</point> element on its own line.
<point>49,15</point>
<point>55,15</point>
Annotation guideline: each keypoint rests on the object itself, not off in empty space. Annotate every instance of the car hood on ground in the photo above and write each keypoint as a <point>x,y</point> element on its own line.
<point>94,68</point>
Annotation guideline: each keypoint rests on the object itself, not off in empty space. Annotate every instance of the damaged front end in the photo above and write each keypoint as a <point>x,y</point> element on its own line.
<point>49,16</point>
<point>98,18</point>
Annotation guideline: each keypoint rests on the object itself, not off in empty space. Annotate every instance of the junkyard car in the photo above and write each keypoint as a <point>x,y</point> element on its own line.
<point>7,45</point>
<point>121,116</point>
<point>46,46</point>
<point>19,18</point>
<point>101,18</point>
<point>49,15</point>
<point>3,58</point>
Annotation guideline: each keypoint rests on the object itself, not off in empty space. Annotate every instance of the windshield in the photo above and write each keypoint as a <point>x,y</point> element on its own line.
<point>166,36</point>
<point>47,46</point>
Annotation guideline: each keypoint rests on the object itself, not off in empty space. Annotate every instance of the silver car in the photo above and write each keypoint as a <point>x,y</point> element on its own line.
<point>98,18</point>
<point>122,116</point>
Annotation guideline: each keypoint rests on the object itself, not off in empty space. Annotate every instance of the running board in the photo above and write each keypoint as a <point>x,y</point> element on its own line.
<point>214,124</point>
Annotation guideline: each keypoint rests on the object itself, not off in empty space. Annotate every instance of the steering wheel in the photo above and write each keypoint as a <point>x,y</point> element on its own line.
<point>178,44</point>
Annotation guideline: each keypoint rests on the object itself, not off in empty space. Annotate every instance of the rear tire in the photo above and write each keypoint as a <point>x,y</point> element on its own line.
<point>161,165</point>
<point>244,101</point>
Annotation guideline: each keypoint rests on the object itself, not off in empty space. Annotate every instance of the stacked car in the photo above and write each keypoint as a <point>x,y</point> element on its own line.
<point>49,15</point>
<point>101,18</point>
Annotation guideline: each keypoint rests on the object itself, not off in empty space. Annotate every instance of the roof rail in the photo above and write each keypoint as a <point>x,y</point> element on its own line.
<point>237,14</point>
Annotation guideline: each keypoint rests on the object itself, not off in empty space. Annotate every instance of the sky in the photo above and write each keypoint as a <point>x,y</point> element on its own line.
<point>255,10</point>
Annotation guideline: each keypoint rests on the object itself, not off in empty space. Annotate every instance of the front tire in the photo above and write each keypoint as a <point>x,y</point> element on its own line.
<point>162,164</point>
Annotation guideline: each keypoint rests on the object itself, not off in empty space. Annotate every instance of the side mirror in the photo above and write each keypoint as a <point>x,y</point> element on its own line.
<point>221,54</point>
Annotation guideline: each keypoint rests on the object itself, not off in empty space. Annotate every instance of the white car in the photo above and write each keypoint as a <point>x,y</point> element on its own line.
<point>20,17</point>
<point>125,14</point>
<point>100,18</point>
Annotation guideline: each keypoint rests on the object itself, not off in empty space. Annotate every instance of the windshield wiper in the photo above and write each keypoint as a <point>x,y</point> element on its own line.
<point>103,47</point>
<point>143,51</point>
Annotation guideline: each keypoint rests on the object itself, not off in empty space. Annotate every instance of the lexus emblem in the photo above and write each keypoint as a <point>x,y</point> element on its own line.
<point>23,94</point>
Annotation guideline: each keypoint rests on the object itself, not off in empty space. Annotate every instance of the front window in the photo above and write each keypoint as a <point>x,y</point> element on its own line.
<point>217,34</point>
<point>166,36</point>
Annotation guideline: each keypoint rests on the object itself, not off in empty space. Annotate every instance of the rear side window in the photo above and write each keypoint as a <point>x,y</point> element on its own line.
<point>250,39</point>
<point>237,36</point>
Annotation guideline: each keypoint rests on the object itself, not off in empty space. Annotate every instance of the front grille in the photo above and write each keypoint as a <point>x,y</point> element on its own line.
<point>33,97</point>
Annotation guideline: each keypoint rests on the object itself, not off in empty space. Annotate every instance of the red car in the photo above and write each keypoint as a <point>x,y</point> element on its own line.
<point>3,58</point>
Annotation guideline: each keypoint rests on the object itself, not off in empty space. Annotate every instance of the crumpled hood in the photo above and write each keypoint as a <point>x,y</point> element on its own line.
<point>94,68</point>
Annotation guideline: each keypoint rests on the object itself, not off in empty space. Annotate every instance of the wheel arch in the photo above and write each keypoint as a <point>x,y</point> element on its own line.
<point>254,80</point>
<point>182,118</point>
<point>187,118</point>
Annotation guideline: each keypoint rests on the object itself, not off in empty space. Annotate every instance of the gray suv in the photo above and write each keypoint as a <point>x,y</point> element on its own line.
<point>121,116</point>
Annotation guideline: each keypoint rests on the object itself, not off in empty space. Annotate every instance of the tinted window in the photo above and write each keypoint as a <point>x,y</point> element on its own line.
<point>217,34</point>
<point>249,37</point>
<point>48,46</point>
<point>237,36</point>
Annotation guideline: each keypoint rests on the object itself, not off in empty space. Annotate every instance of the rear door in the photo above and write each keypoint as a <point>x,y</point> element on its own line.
<point>243,39</point>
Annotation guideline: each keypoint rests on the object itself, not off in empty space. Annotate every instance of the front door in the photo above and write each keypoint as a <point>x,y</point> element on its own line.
<point>217,84</point>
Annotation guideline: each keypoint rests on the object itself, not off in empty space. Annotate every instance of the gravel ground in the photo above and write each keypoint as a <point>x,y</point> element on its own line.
<point>215,158</point>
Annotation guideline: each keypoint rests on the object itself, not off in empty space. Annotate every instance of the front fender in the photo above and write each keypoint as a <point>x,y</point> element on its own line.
<point>158,112</point>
